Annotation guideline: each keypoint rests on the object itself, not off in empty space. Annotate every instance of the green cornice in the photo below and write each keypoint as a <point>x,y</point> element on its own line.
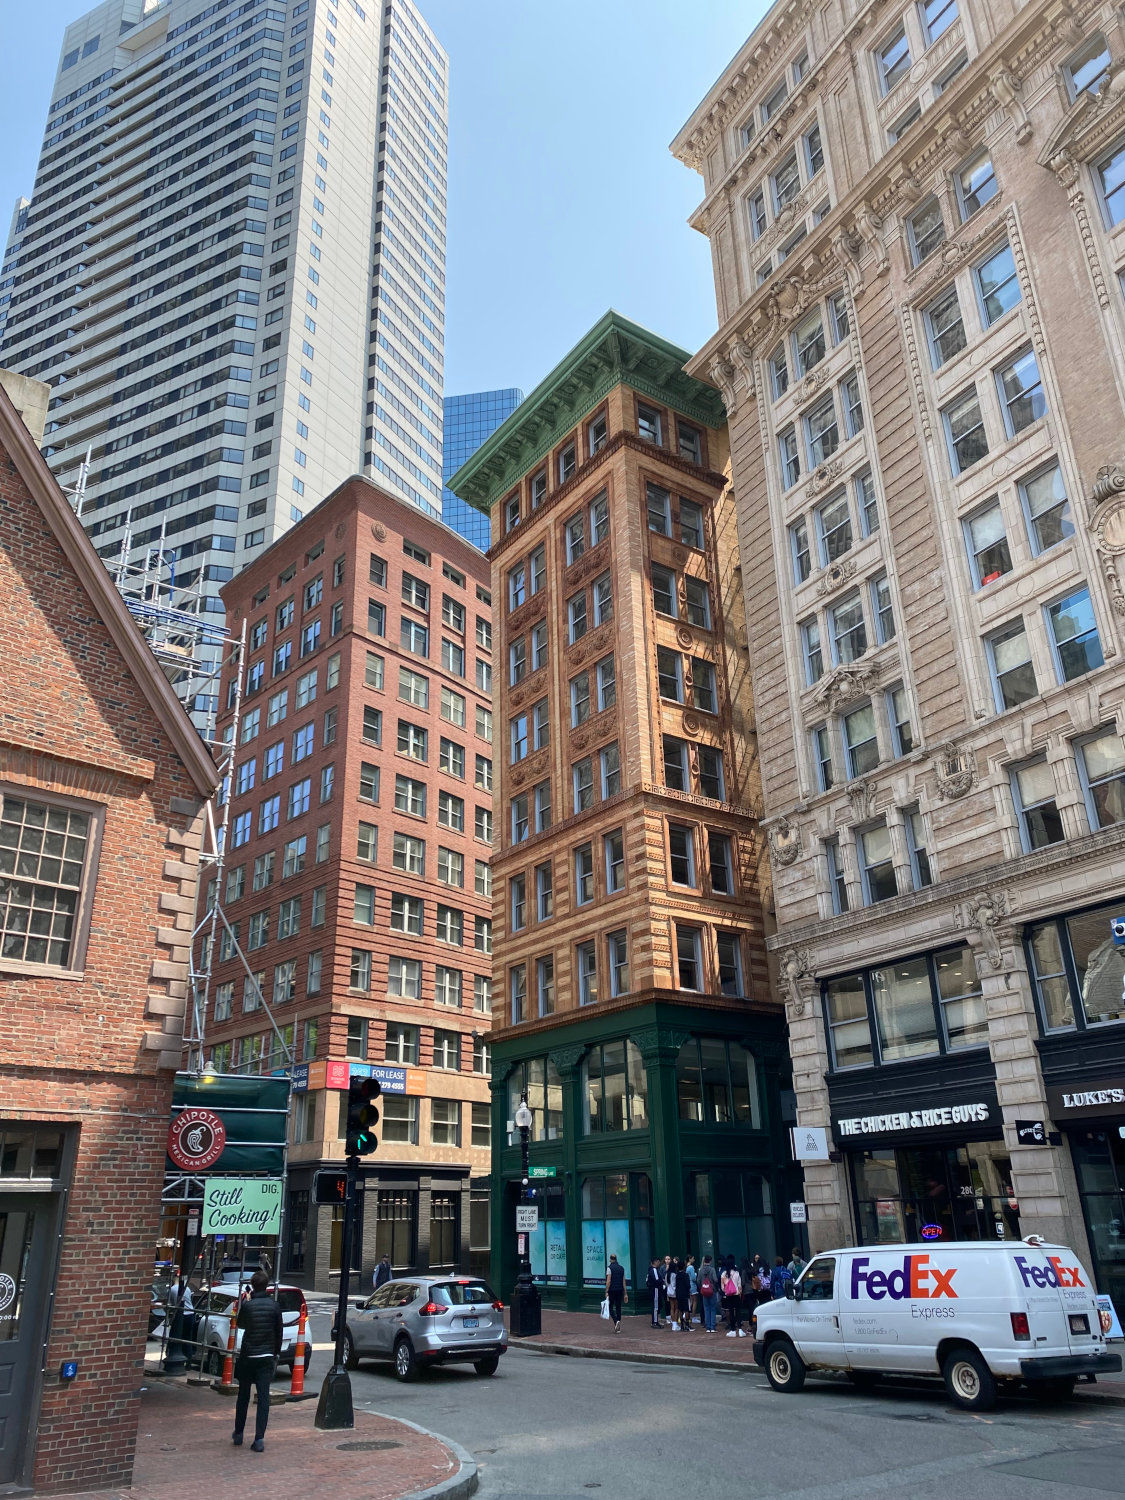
<point>614,352</point>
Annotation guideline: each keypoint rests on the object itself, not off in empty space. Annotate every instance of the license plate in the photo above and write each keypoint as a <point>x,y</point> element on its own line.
<point>470,1322</point>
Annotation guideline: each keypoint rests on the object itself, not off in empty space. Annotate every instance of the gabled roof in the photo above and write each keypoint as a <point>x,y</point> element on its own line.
<point>94,578</point>
<point>614,352</point>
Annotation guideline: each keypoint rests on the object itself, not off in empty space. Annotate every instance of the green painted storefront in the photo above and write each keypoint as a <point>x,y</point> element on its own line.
<point>663,1124</point>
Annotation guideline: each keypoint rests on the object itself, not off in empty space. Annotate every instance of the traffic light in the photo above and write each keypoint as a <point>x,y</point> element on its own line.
<point>363,1116</point>
<point>331,1187</point>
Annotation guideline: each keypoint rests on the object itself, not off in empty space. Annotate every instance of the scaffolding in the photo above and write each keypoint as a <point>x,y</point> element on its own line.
<point>193,650</point>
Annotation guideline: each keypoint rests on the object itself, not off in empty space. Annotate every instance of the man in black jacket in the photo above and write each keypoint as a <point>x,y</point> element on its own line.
<point>262,1326</point>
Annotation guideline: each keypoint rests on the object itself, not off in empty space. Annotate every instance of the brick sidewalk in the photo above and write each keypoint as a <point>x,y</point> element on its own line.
<point>184,1450</point>
<point>587,1332</point>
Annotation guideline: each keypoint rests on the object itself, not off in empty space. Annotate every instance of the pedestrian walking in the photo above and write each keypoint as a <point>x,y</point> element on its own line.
<point>683,1296</point>
<point>665,1272</point>
<point>261,1322</point>
<point>615,1290</point>
<point>709,1293</point>
<point>732,1298</point>
<point>693,1278</point>
<point>382,1272</point>
<point>654,1286</point>
<point>779,1276</point>
<point>797,1263</point>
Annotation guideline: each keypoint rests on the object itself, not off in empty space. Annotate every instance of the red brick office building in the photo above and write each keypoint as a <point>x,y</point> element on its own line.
<point>102,785</point>
<point>357,877</point>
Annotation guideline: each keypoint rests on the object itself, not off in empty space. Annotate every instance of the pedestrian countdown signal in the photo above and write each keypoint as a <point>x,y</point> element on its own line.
<point>330,1187</point>
<point>363,1116</point>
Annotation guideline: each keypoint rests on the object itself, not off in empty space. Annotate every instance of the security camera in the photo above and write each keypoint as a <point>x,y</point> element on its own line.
<point>1118,926</point>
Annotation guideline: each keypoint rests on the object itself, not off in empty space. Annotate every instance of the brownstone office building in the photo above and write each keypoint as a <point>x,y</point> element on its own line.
<point>633,1002</point>
<point>918,229</point>
<point>357,868</point>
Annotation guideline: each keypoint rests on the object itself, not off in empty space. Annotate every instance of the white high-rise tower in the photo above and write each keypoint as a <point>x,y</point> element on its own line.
<point>231,268</point>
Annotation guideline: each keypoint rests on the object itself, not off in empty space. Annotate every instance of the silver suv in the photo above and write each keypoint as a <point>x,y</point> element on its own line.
<point>428,1320</point>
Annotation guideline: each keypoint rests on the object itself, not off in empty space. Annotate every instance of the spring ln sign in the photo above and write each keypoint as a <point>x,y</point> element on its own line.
<point>242,1205</point>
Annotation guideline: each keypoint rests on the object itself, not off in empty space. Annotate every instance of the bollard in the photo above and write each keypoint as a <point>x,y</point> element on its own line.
<point>297,1383</point>
<point>226,1385</point>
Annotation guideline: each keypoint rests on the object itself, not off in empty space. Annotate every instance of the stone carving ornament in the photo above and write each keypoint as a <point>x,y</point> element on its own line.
<point>823,476</point>
<point>835,575</point>
<point>785,841</point>
<point>983,914</point>
<point>846,684</point>
<point>955,771</point>
<point>1108,528</point>
<point>797,974</point>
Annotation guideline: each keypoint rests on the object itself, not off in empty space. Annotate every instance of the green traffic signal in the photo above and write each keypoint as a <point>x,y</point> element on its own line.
<point>363,1116</point>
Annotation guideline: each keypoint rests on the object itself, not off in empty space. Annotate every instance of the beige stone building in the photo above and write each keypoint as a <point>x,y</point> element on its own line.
<point>917,219</point>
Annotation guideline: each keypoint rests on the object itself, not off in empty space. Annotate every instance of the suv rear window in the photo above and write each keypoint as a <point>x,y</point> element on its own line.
<point>458,1293</point>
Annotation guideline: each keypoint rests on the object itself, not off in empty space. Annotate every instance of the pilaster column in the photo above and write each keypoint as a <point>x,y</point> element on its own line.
<point>659,1047</point>
<point>568,1061</point>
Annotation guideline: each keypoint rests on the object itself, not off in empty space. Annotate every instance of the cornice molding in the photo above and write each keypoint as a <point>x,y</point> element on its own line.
<point>614,352</point>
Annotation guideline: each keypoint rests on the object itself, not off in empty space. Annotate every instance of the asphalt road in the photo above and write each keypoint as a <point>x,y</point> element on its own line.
<point>549,1427</point>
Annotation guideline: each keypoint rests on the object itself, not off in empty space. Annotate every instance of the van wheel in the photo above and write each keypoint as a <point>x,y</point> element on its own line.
<point>864,1380</point>
<point>969,1383</point>
<point>406,1361</point>
<point>1047,1391</point>
<point>785,1369</point>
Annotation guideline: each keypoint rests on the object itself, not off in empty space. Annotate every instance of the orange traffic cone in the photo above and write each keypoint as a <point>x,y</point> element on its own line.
<point>297,1383</point>
<point>226,1384</point>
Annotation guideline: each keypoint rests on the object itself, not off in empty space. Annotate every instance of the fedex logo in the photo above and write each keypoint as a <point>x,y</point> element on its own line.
<point>1054,1273</point>
<point>917,1278</point>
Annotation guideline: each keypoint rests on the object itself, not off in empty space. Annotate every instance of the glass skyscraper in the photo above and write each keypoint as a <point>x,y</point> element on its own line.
<point>468,421</point>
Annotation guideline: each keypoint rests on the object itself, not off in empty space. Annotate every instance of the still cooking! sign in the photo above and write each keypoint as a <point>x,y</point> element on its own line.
<point>242,1205</point>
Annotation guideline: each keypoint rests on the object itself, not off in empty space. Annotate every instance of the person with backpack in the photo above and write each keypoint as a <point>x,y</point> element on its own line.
<point>731,1284</point>
<point>654,1286</point>
<point>670,1293</point>
<point>693,1278</point>
<point>779,1276</point>
<point>683,1296</point>
<point>615,1290</point>
<point>709,1293</point>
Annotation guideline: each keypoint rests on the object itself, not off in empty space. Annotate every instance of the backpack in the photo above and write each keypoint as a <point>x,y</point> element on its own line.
<point>779,1276</point>
<point>707,1286</point>
<point>730,1287</point>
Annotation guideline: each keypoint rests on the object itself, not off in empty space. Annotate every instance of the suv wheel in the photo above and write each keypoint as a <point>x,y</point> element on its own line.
<point>488,1365</point>
<point>785,1369</point>
<point>212,1361</point>
<point>406,1361</point>
<point>969,1383</point>
<point>351,1358</point>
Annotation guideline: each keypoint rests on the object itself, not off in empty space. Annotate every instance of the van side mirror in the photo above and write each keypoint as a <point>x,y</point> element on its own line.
<point>792,1292</point>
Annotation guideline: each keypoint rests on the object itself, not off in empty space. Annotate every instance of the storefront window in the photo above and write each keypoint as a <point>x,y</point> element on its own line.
<point>1099,1161</point>
<point>616,1220</point>
<point>935,1193</point>
<point>547,1248</point>
<point>904,1010</point>
<point>615,1088</point>
<point>539,1079</point>
<point>1079,973</point>
<point>729,1213</point>
<point>717,1083</point>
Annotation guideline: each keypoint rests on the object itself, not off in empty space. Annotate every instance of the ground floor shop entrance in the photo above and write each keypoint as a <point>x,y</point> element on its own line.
<point>27,1230</point>
<point>906,1194</point>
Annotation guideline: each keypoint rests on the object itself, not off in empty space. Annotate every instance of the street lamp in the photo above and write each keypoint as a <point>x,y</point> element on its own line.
<point>527,1309</point>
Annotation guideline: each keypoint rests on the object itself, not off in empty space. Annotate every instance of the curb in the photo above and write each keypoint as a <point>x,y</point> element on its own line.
<point>463,1483</point>
<point>578,1351</point>
<point>689,1361</point>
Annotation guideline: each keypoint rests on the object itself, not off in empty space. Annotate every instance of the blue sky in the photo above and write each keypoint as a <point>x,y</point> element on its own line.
<point>564,198</point>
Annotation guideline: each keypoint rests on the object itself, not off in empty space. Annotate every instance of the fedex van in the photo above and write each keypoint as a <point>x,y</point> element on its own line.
<point>1021,1313</point>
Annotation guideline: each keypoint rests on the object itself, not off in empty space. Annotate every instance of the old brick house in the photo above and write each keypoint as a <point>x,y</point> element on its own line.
<point>102,784</point>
